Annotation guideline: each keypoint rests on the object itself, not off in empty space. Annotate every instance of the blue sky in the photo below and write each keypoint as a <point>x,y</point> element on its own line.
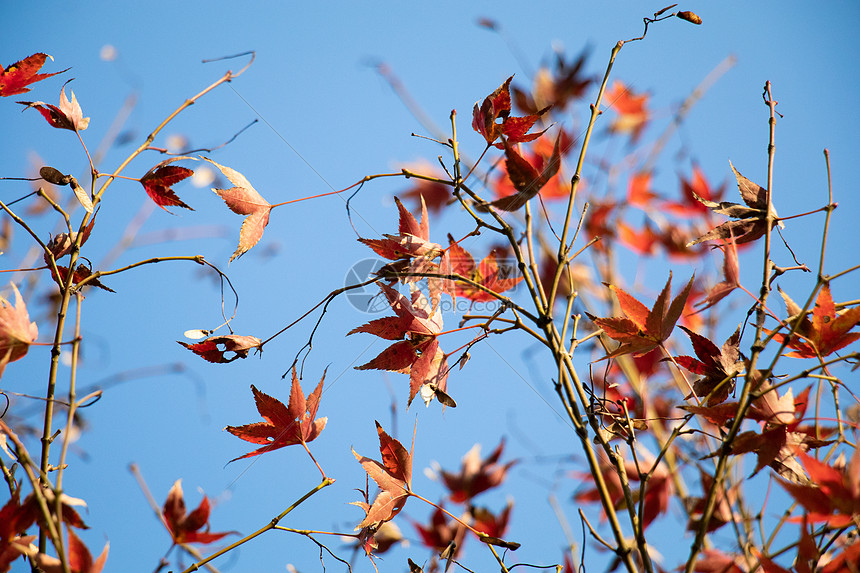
<point>327,120</point>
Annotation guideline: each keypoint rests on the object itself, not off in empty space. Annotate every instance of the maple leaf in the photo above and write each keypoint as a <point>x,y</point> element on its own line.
<point>697,186</point>
<point>832,495</point>
<point>419,354</point>
<point>630,107</point>
<point>476,475</point>
<point>284,425</point>
<point>17,333</point>
<point>598,223</point>
<point>243,199</point>
<point>393,476</point>
<point>751,220</point>
<point>441,532</point>
<point>715,561</point>
<point>458,261</point>
<point>489,523</point>
<point>79,558</point>
<point>411,247</point>
<point>15,519</point>
<point>67,116</point>
<point>526,179</point>
<point>716,366</point>
<point>184,527</point>
<point>722,512</point>
<point>643,242</point>
<point>15,78</point>
<point>81,272</point>
<point>827,332</point>
<point>657,494</point>
<point>782,437</point>
<point>157,183</point>
<point>497,106</point>
<point>61,244</point>
<point>214,348</point>
<point>639,192</point>
<point>731,277</point>
<point>538,156</point>
<point>555,87</point>
<point>643,330</point>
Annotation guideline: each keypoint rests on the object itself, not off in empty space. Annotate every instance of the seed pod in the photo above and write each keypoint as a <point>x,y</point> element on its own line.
<point>689,17</point>
<point>82,195</point>
<point>52,175</point>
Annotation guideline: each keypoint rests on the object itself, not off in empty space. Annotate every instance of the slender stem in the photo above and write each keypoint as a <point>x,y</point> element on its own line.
<point>751,381</point>
<point>271,525</point>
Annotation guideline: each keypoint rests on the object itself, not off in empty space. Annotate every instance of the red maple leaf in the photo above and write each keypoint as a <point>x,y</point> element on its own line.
<point>215,348</point>
<point>17,333</point>
<point>538,154</point>
<point>476,475</point>
<point>657,494</point>
<point>15,79</point>
<point>458,261</point>
<point>639,192</point>
<point>415,327</point>
<point>79,558</point>
<point>526,179</point>
<point>15,520</point>
<point>827,332</point>
<point>67,116</point>
<point>411,242</point>
<point>642,330</point>
<point>243,199</point>
<point>782,437</point>
<point>697,186</point>
<point>393,476</point>
<point>731,277</point>
<point>489,523</point>
<point>557,87</point>
<point>630,107</point>
<point>497,105</point>
<point>81,272</point>
<point>832,495</point>
<point>716,366</point>
<point>598,223</point>
<point>184,527</point>
<point>158,182</point>
<point>284,425</point>
<point>642,241</point>
<point>715,561</point>
<point>441,532</point>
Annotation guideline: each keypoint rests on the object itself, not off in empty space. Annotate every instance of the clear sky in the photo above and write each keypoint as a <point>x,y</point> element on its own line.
<point>327,119</point>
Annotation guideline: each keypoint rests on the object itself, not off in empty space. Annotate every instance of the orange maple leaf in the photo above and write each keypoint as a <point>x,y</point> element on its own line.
<point>643,329</point>
<point>827,332</point>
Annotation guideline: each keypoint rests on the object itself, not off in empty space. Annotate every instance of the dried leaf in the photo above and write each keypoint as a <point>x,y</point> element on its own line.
<point>214,348</point>
<point>243,199</point>
<point>393,476</point>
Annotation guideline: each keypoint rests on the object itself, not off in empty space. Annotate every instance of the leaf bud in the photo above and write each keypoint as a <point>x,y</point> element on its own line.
<point>52,175</point>
<point>689,17</point>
